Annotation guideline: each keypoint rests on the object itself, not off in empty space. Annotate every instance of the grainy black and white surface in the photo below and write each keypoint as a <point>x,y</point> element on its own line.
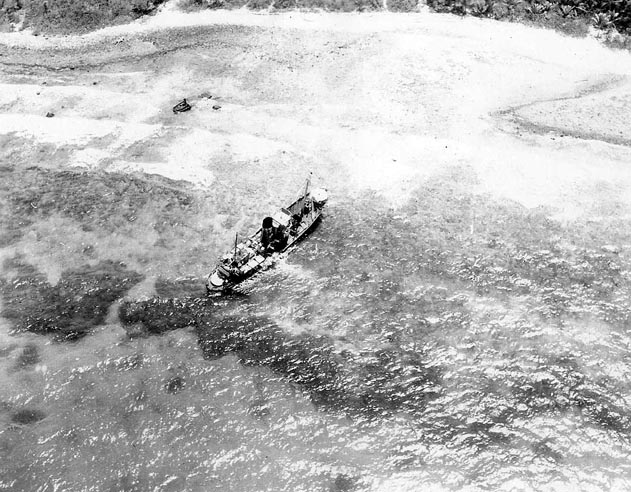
<point>458,321</point>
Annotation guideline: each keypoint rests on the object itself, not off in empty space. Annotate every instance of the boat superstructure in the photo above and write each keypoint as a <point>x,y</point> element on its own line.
<point>277,234</point>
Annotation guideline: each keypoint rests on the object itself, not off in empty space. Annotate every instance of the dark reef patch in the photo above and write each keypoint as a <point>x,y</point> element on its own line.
<point>78,302</point>
<point>158,315</point>
<point>558,386</point>
<point>174,385</point>
<point>146,218</point>
<point>343,483</point>
<point>27,416</point>
<point>372,384</point>
<point>106,200</point>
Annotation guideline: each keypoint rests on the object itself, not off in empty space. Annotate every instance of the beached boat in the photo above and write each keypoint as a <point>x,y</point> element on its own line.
<point>277,234</point>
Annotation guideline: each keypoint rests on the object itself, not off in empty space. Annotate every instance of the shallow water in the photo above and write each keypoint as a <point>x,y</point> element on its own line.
<point>390,350</point>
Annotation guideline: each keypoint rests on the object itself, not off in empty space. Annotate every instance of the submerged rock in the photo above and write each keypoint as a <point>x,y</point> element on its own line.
<point>174,385</point>
<point>343,483</point>
<point>27,416</point>
<point>28,357</point>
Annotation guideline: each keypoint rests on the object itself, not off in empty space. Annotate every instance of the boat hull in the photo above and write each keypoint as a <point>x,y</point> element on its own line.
<point>222,279</point>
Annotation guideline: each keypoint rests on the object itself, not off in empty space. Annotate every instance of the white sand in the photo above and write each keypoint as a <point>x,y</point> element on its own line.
<point>422,102</point>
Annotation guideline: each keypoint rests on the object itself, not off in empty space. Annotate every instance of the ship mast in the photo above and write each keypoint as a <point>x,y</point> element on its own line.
<point>304,197</point>
<point>307,186</point>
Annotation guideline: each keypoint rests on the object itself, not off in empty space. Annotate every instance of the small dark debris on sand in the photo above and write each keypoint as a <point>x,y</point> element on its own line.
<point>181,107</point>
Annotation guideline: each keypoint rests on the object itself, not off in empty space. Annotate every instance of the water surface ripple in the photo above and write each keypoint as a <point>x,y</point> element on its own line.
<point>388,350</point>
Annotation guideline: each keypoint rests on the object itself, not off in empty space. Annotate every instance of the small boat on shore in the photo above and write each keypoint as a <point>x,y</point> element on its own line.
<point>277,234</point>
